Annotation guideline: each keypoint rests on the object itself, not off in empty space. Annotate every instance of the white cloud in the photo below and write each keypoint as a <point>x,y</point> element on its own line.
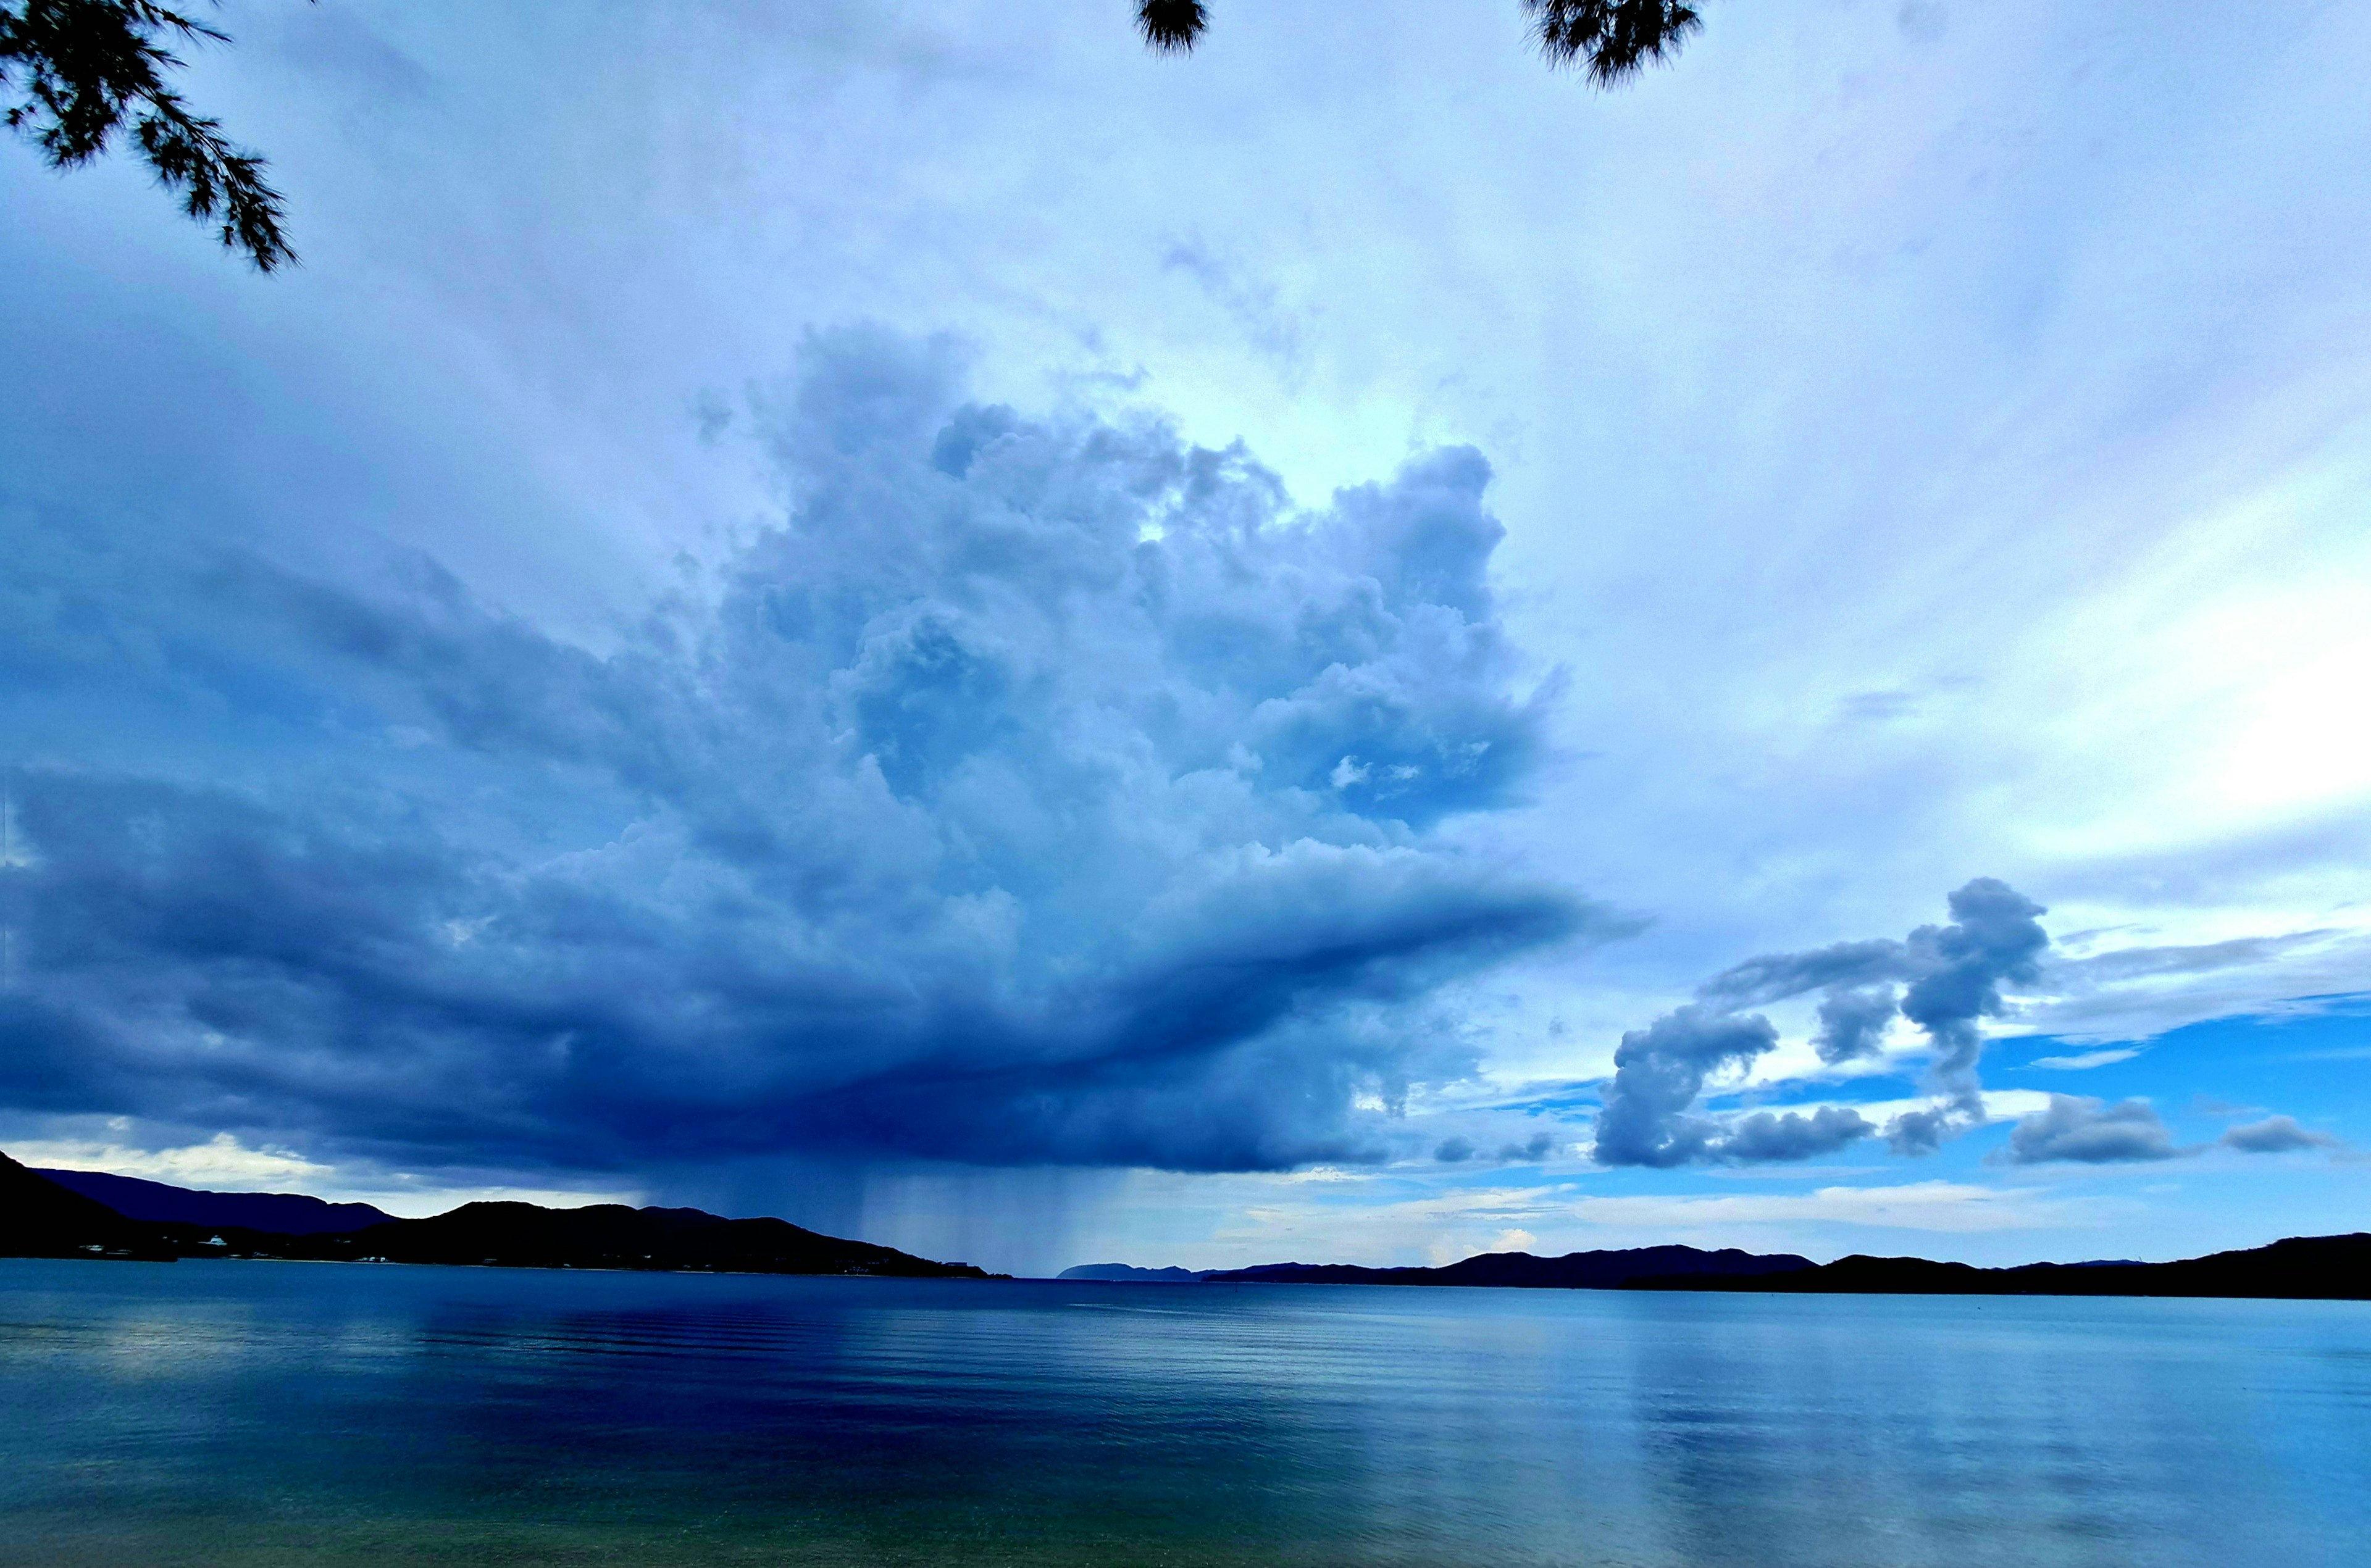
<point>2086,1060</point>
<point>224,1164</point>
<point>1999,1105</point>
<point>221,1163</point>
<point>1951,1206</point>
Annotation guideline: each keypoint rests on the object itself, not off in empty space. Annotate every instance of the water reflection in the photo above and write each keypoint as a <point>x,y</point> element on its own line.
<point>219,1412</point>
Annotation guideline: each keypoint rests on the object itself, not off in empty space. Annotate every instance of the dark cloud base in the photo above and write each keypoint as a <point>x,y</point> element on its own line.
<point>1039,791</point>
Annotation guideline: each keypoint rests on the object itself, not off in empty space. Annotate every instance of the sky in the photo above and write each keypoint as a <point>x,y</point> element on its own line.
<point>1343,649</point>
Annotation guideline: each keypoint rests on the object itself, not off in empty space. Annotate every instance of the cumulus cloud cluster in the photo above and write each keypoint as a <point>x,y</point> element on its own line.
<point>1945,979</point>
<point>2092,1132</point>
<point>2275,1134</point>
<point>1040,790</point>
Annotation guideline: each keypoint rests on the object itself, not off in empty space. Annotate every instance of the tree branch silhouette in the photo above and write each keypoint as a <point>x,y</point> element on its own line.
<point>86,69</point>
<point>1610,40</point>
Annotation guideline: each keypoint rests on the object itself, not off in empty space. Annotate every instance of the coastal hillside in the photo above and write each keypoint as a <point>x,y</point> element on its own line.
<point>2300,1268</point>
<point>1606,1269</point>
<point>612,1235</point>
<point>40,1217</point>
<point>284,1214</point>
<point>40,1220</point>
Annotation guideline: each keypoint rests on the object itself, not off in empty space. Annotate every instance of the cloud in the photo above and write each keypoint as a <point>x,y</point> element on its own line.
<point>1995,937</point>
<point>1767,1135</point>
<point>1275,332</point>
<point>2275,1134</point>
<point>2092,1132</point>
<point>1659,1072</point>
<point>1949,1207</point>
<point>2205,958</point>
<point>2095,1132</point>
<point>1943,978</point>
<point>1853,1023</point>
<point>993,808</point>
<point>221,1163</point>
<point>1539,1147</point>
<point>2083,1061</point>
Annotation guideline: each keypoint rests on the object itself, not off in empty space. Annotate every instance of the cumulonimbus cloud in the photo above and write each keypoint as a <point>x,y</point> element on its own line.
<point>1038,790</point>
<point>1943,978</point>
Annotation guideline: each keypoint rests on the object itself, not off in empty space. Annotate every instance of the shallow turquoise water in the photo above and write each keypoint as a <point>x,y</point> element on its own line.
<point>282,1413</point>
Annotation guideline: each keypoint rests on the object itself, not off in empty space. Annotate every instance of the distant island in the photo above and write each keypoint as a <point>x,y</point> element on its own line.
<point>43,1217</point>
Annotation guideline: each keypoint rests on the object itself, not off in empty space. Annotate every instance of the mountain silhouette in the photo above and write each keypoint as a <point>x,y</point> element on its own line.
<point>1604,1269</point>
<point>41,1218</point>
<point>288,1213</point>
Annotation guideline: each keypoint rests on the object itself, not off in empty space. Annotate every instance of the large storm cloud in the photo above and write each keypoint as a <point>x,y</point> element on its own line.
<point>1040,790</point>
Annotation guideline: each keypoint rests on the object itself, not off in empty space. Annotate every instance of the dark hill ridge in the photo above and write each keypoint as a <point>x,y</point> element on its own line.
<point>612,1235</point>
<point>2300,1268</point>
<point>1605,1270</point>
<point>284,1214</point>
<point>42,1219</point>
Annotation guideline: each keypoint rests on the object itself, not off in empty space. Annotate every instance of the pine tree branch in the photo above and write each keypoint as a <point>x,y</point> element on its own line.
<point>1610,40</point>
<point>88,67</point>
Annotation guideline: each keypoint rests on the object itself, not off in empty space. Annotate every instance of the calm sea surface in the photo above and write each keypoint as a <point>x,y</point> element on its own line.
<point>284,1413</point>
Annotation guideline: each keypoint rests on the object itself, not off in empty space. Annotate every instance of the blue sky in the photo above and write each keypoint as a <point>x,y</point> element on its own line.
<point>910,617</point>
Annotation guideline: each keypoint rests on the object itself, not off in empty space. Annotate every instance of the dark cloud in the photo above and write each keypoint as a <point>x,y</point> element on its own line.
<point>1943,978</point>
<point>2275,1134</point>
<point>1767,1135</point>
<point>1040,791</point>
<point>1658,1074</point>
<point>1917,1133</point>
<point>1853,1020</point>
<point>1531,1152</point>
<point>1995,937</point>
<point>1455,1150</point>
<point>2091,1131</point>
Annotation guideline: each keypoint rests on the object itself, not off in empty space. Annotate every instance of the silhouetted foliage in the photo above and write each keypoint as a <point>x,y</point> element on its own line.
<point>89,68</point>
<point>1172,25</point>
<point>1610,40</point>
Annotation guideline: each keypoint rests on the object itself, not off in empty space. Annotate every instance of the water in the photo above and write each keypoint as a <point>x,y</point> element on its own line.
<point>279,1413</point>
